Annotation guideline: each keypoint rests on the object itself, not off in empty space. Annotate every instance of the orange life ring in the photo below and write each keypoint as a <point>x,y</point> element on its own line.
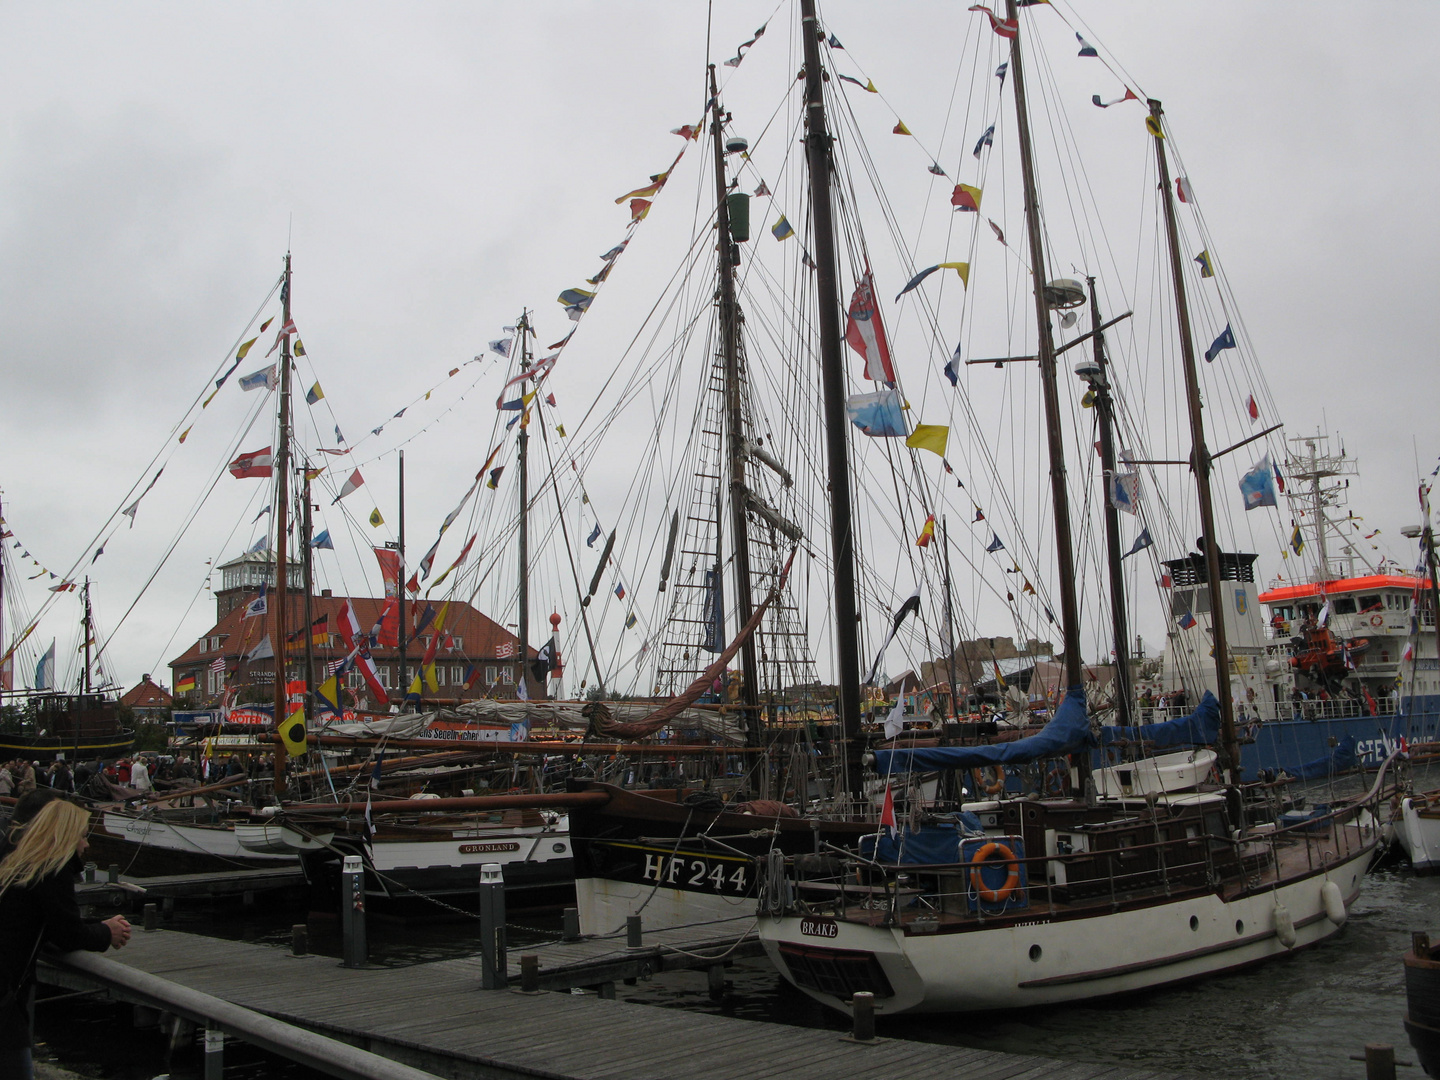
<point>977,863</point>
<point>989,787</point>
<point>1377,620</point>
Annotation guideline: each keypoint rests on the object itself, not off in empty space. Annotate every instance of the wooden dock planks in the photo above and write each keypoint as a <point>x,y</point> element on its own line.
<point>434,1015</point>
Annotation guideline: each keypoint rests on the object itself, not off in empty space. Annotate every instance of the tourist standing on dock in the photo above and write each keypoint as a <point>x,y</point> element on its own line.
<point>38,907</point>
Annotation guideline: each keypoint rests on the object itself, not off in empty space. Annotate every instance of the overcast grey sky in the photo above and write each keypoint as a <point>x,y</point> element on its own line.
<point>437,167</point>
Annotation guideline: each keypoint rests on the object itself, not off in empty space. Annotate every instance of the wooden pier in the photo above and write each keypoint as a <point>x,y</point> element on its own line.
<point>434,1017</point>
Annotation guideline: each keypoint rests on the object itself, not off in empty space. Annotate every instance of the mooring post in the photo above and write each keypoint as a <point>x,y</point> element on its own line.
<point>152,917</point>
<point>632,932</point>
<point>530,974</point>
<point>1379,1061</point>
<point>494,974</point>
<point>352,911</point>
<point>167,907</point>
<point>862,1007</point>
<point>113,874</point>
<point>607,991</point>
<point>214,1053</point>
<point>715,976</point>
<point>570,924</point>
<point>299,939</point>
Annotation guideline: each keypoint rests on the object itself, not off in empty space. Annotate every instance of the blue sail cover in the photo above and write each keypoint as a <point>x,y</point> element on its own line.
<point>1339,760</point>
<point>1200,728</point>
<point>1068,732</point>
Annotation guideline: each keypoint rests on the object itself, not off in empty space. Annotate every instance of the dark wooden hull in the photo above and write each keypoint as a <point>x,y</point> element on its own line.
<point>48,747</point>
<point>1422,1000</point>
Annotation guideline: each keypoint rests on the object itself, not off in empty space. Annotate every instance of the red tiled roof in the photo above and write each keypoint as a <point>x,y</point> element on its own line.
<point>146,695</point>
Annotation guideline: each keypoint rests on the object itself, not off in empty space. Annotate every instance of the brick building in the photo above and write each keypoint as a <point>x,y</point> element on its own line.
<point>224,655</point>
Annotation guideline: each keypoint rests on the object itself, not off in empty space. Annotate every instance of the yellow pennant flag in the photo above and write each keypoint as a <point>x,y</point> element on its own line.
<point>299,347</point>
<point>329,693</point>
<point>245,348</point>
<point>184,434</point>
<point>375,519</point>
<point>900,128</point>
<point>870,87</point>
<point>206,402</point>
<point>961,268</point>
<point>560,430</point>
<point>312,473</point>
<point>932,437</point>
<point>1152,125</point>
<point>292,732</point>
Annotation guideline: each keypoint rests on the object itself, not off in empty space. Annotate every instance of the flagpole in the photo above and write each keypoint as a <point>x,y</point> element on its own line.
<point>1200,464</point>
<point>1105,414</point>
<point>950,624</point>
<point>281,466</point>
<point>818,145</point>
<point>728,260</point>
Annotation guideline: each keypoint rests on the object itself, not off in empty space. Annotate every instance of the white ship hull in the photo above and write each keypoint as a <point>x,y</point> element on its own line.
<point>1049,963</point>
<point>217,840</point>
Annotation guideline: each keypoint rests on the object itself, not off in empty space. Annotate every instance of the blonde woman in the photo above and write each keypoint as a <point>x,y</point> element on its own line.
<point>38,907</point>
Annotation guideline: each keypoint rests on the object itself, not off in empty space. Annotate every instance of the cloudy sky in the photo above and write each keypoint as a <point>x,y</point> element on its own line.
<point>436,168</point>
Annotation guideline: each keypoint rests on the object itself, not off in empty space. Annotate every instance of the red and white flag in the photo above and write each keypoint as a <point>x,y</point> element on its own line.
<point>257,463</point>
<point>865,333</point>
<point>353,481</point>
<point>1252,408</point>
<point>887,813</point>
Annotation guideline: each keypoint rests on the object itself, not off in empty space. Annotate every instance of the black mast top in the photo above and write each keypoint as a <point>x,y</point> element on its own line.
<point>818,149</point>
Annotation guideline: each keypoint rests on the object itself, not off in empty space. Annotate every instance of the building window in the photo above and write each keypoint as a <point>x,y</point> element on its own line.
<point>384,672</point>
<point>457,675</point>
<point>354,680</point>
<point>490,675</point>
<point>456,643</point>
<point>439,675</point>
<point>507,674</point>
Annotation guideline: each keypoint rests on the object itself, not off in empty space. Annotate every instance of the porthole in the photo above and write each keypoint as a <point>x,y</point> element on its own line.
<point>1035,952</point>
<point>559,847</point>
<point>1194,923</point>
<point>1239,926</point>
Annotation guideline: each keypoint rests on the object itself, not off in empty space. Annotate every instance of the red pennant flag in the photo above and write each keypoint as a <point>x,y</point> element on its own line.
<point>1252,408</point>
<point>887,812</point>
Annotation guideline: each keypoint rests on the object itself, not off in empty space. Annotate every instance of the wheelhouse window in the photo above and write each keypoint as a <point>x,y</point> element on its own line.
<point>1372,602</point>
<point>1344,605</point>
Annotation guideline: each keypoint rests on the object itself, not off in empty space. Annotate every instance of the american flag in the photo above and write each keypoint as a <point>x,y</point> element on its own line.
<point>218,664</point>
<point>333,667</point>
<point>505,648</point>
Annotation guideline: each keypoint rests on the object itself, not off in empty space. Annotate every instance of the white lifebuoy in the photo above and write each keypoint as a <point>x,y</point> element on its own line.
<point>1334,903</point>
<point>1377,620</point>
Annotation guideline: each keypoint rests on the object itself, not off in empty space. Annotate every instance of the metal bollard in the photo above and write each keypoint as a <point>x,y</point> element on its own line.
<point>152,917</point>
<point>494,973</point>
<point>352,911</point>
<point>299,939</point>
<point>90,869</point>
<point>570,924</point>
<point>862,1007</point>
<point>632,932</point>
<point>530,974</point>
<point>1379,1061</point>
<point>214,1053</point>
<point>113,874</point>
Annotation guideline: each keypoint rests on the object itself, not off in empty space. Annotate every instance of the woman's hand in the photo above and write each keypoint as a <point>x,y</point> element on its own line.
<point>119,931</point>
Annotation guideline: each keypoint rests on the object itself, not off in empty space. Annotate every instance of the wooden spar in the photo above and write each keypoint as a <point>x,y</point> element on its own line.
<point>950,624</point>
<point>307,579</point>
<point>727,259</point>
<point>280,464</point>
<point>832,372</point>
<point>1060,498</point>
<point>522,332</point>
<point>1200,462</point>
<point>1105,415</point>
<point>559,800</point>
<point>403,617</point>
<point>535,747</point>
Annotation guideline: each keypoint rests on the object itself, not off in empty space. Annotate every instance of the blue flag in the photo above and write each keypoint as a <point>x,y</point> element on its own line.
<point>996,544</point>
<point>594,535</point>
<point>322,540</point>
<point>1258,485</point>
<point>952,367</point>
<point>1224,341</point>
<point>1141,543</point>
<point>988,139</point>
<point>878,415</point>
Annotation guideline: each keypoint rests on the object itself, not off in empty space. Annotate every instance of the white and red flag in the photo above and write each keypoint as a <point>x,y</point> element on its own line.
<point>256,463</point>
<point>865,333</point>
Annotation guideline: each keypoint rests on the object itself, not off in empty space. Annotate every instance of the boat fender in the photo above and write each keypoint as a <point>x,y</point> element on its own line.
<point>1284,926</point>
<point>1334,903</point>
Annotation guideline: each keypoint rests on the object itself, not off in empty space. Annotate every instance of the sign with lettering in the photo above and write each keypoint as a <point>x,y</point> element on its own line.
<point>494,845</point>
<point>826,928</point>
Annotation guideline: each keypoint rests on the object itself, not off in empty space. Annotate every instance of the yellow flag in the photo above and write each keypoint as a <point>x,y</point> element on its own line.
<point>1088,401</point>
<point>415,686</point>
<point>870,87</point>
<point>185,433</point>
<point>211,398</point>
<point>329,692</point>
<point>932,437</point>
<point>245,348</point>
<point>560,430</point>
<point>299,347</point>
<point>1152,125</point>
<point>900,128</point>
<point>292,731</point>
<point>961,268</point>
<point>375,519</point>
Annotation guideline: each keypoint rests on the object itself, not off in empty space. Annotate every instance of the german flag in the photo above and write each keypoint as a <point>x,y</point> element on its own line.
<point>185,684</point>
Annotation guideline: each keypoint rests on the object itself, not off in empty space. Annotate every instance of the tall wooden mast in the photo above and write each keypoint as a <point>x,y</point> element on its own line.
<point>1199,459</point>
<point>308,581</point>
<point>832,373</point>
<point>281,464</point>
<point>522,332</point>
<point>736,452</point>
<point>1105,417</point>
<point>1060,499</point>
